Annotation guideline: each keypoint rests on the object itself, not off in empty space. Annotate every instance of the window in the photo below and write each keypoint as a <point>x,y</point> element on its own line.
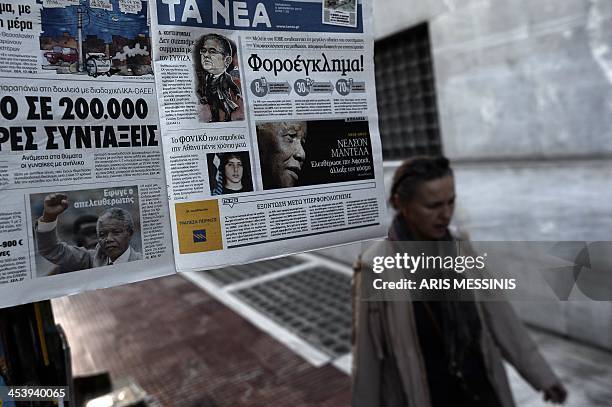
<point>406,93</point>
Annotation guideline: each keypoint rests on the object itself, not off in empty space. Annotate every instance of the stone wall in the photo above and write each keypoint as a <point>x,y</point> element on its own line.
<point>525,103</point>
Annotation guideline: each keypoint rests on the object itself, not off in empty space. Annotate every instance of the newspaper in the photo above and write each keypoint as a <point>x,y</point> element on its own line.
<point>269,127</point>
<point>256,137</point>
<point>83,201</point>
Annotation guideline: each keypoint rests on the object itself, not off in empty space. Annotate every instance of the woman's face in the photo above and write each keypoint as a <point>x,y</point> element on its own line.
<point>430,211</point>
<point>234,170</point>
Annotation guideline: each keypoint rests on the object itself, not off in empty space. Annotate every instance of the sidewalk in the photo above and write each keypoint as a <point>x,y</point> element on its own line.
<point>187,349</point>
<point>274,333</point>
<point>585,371</point>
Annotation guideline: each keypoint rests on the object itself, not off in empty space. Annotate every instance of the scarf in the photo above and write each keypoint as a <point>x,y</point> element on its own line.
<point>459,320</point>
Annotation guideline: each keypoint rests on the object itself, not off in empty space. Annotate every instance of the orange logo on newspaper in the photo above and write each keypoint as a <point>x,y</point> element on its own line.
<point>198,226</point>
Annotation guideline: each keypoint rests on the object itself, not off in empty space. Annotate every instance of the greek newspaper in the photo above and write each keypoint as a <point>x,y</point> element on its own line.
<point>268,129</point>
<point>269,126</point>
<point>83,201</point>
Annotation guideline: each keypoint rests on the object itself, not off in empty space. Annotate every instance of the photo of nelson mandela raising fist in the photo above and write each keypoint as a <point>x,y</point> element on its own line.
<point>114,231</point>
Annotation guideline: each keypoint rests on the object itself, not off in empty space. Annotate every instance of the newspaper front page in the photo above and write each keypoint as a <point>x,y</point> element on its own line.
<point>83,201</point>
<point>268,123</point>
<point>269,126</point>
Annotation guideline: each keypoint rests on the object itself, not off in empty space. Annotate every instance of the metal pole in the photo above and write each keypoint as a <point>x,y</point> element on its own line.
<point>80,39</point>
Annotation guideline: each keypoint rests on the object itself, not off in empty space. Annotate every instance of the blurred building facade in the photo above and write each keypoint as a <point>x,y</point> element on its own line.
<point>521,104</point>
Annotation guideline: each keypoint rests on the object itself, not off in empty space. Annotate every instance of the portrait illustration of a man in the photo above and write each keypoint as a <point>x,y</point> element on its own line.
<point>114,231</point>
<point>216,87</point>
